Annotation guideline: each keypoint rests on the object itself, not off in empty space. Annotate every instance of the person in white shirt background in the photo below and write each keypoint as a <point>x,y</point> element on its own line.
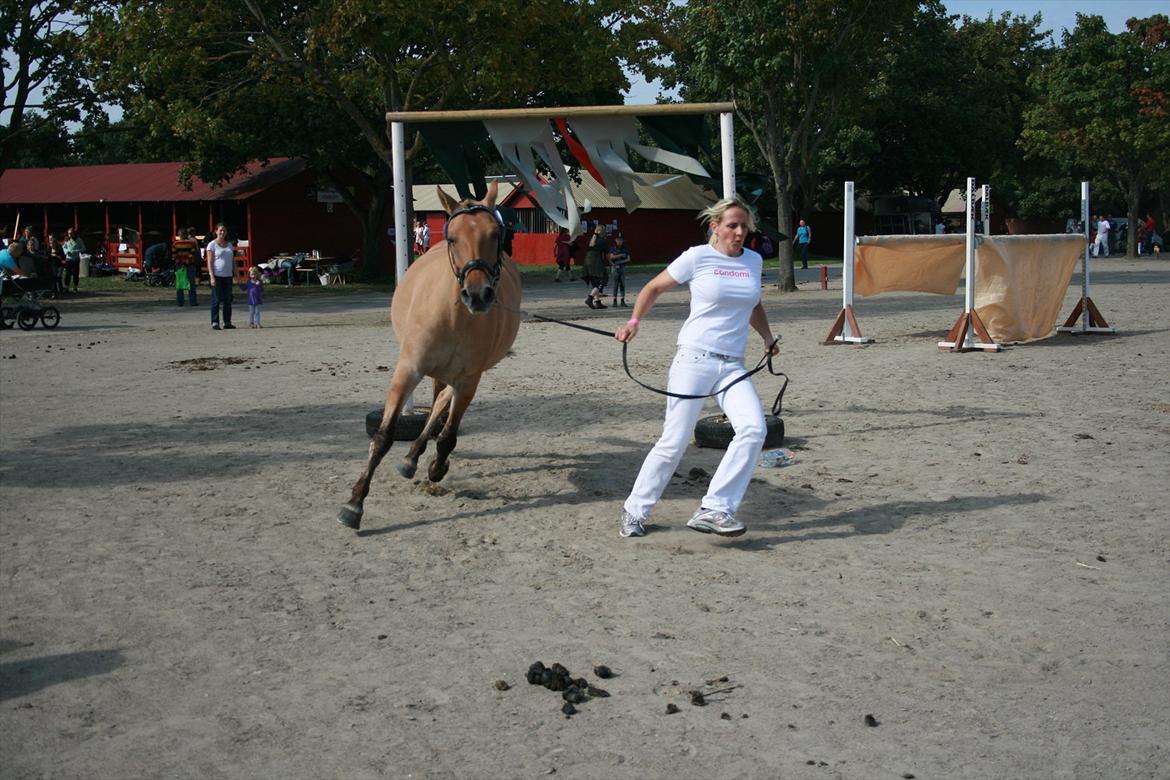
<point>1102,240</point>
<point>724,280</point>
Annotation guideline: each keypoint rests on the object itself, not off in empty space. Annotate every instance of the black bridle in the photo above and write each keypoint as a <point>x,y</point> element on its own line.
<point>477,264</point>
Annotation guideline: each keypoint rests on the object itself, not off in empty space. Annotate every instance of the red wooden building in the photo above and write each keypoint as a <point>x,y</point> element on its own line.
<point>271,208</point>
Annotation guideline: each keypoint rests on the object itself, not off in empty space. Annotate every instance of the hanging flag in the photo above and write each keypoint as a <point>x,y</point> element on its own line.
<point>520,142</point>
<point>578,151</point>
<point>460,149</point>
<point>605,140</point>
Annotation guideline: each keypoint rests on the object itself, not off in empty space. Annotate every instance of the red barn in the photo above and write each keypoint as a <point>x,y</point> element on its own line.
<point>271,208</point>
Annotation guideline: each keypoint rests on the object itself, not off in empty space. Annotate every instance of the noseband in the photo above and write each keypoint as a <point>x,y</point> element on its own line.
<point>492,272</point>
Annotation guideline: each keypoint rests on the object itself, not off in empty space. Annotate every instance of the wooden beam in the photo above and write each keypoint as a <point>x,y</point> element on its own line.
<point>478,115</point>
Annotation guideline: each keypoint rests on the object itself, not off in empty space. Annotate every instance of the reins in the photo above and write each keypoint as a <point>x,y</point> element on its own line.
<point>765,362</point>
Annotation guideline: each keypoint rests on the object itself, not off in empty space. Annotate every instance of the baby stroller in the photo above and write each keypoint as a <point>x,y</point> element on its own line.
<point>26,309</point>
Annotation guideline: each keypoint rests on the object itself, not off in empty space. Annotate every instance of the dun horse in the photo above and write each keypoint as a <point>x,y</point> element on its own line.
<point>455,315</point>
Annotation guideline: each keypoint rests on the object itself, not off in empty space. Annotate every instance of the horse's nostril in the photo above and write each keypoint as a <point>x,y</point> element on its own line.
<point>489,295</point>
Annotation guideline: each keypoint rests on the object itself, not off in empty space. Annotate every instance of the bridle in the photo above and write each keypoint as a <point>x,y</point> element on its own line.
<point>492,272</point>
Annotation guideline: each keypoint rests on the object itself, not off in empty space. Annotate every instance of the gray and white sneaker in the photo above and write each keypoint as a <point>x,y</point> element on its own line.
<point>712,521</point>
<point>632,526</point>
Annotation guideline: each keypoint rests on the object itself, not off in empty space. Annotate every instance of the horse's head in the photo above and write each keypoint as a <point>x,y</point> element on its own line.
<point>474,235</point>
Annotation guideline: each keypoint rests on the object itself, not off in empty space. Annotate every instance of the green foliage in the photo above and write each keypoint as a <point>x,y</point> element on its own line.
<point>1102,110</point>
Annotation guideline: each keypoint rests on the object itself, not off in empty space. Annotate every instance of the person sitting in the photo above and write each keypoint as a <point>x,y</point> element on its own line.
<point>10,260</point>
<point>155,257</point>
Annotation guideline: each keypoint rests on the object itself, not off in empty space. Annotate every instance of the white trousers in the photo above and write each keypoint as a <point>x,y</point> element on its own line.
<point>1102,243</point>
<point>695,372</point>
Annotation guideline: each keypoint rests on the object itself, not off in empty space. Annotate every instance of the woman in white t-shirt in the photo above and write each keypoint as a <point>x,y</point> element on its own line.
<point>724,278</point>
<point>220,255</point>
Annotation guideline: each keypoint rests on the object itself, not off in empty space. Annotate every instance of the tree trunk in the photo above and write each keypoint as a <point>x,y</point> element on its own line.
<point>1135,194</point>
<point>787,280</point>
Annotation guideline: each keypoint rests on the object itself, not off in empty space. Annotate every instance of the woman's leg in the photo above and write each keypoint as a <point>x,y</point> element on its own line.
<point>214,301</point>
<point>224,284</point>
<point>689,375</point>
<point>741,405</point>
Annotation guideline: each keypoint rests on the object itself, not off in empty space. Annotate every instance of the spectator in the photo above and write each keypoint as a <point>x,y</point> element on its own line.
<point>30,241</point>
<point>595,268</point>
<point>74,247</point>
<point>803,239</point>
<point>10,259</point>
<point>56,264</point>
<point>619,258</point>
<point>183,252</point>
<point>155,257</point>
<point>1102,240</point>
<point>220,256</point>
<point>563,254</point>
<point>254,287</point>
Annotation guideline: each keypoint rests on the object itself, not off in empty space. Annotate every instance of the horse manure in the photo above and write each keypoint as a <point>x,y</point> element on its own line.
<point>697,473</point>
<point>597,693</point>
<point>535,674</point>
<point>573,695</point>
<point>569,710</point>
<point>581,683</point>
<point>502,685</point>
<point>671,708</point>
<point>724,716</point>
<point>717,680</point>
<point>698,699</point>
<point>604,672</point>
<point>870,720</point>
<point>546,678</point>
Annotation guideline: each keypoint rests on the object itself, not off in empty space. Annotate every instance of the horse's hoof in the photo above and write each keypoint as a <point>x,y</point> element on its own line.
<point>437,470</point>
<point>407,469</point>
<point>350,517</point>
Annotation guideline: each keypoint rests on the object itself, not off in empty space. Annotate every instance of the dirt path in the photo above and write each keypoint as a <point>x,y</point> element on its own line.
<point>971,549</point>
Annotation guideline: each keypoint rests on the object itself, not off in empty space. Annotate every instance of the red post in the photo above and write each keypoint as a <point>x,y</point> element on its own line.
<point>824,277</point>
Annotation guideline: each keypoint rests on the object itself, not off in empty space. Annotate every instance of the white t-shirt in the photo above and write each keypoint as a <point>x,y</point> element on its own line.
<point>1103,227</point>
<point>223,259</point>
<point>724,290</point>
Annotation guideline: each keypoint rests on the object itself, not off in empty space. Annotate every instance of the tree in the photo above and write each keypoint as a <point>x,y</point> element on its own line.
<point>793,69</point>
<point>322,75</point>
<point>42,75</point>
<point>1104,107</point>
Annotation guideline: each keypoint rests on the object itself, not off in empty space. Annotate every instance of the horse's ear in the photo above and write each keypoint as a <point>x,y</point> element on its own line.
<point>448,202</point>
<point>489,200</point>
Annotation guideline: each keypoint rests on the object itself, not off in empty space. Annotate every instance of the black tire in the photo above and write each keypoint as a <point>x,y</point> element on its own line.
<point>50,317</point>
<point>7,317</point>
<point>27,319</point>
<point>409,427</point>
<point>715,432</point>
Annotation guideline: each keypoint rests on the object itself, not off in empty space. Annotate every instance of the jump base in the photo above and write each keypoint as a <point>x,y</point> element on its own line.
<point>967,324</point>
<point>836,333</point>
<point>1096,323</point>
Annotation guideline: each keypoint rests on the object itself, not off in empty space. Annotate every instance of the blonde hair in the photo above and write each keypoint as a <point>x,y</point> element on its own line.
<point>713,214</point>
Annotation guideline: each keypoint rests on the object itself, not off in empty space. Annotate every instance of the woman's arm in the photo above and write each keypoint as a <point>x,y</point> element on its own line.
<point>759,322</point>
<point>644,302</point>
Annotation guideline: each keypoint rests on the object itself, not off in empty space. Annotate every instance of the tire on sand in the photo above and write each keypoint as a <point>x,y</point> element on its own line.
<point>716,432</point>
<point>409,426</point>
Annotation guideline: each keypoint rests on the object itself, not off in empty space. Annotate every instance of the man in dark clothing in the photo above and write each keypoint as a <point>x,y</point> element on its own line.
<point>155,257</point>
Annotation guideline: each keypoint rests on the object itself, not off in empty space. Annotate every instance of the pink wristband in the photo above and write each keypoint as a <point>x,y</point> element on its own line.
<point>632,321</point>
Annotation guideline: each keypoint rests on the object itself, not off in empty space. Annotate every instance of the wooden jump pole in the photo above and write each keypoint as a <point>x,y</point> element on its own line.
<point>845,329</point>
<point>1085,310</point>
<point>962,335</point>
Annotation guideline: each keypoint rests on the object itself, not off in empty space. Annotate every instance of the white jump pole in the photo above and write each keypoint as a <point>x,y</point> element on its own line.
<point>401,231</point>
<point>962,335</point>
<point>985,196</point>
<point>845,329</point>
<point>727,147</point>
<point>1091,319</point>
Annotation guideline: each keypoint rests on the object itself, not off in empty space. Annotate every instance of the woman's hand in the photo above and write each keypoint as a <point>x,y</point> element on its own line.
<point>773,345</point>
<point>626,332</point>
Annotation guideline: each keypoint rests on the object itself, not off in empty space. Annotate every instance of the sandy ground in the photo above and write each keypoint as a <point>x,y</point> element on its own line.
<point>971,549</point>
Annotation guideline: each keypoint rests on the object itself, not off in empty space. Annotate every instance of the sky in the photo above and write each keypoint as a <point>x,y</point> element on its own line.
<point>1056,16</point>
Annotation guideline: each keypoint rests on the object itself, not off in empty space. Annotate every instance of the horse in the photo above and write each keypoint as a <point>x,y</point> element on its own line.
<point>455,315</point>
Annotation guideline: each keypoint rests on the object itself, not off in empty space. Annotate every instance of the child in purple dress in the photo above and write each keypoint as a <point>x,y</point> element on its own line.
<point>255,290</point>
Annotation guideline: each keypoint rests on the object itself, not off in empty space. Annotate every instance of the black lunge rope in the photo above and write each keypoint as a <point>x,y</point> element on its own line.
<point>765,361</point>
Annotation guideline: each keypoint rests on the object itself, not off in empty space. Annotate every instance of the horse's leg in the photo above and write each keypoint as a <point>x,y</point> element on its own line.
<point>464,391</point>
<point>409,464</point>
<point>402,384</point>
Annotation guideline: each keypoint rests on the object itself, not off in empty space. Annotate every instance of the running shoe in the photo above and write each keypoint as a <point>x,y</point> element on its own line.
<point>712,521</point>
<point>632,526</point>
